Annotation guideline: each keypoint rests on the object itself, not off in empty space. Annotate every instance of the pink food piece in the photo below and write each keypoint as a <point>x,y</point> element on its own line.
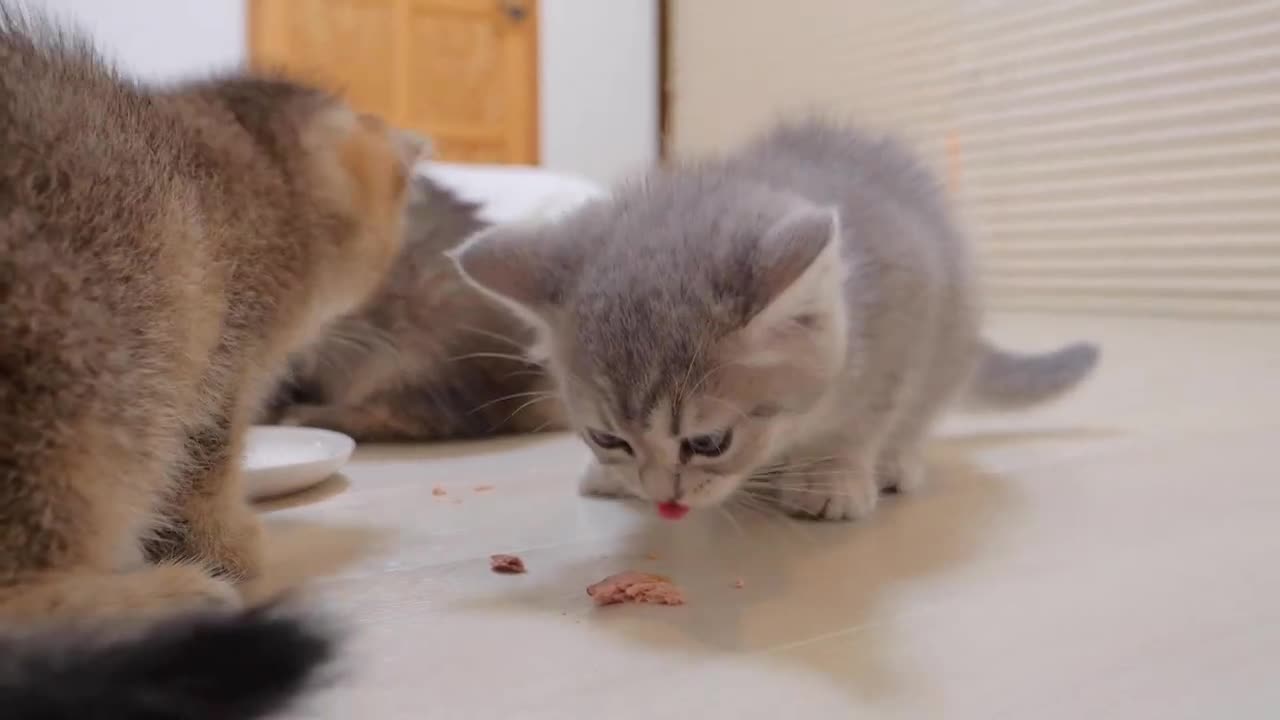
<point>738,584</point>
<point>635,587</point>
<point>438,491</point>
<point>506,564</point>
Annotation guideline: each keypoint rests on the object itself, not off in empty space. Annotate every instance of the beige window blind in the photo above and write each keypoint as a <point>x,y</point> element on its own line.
<point>1112,156</point>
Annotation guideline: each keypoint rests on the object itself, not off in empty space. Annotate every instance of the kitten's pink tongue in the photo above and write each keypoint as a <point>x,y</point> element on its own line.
<point>672,510</point>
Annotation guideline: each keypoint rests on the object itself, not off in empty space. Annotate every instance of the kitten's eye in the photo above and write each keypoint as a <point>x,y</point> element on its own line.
<point>709,445</point>
<point>605,441</point>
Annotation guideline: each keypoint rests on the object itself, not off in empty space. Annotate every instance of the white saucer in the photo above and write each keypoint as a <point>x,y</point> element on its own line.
<point>283,460</point>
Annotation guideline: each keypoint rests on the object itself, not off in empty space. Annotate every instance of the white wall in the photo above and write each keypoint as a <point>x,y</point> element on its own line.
<point>598,78</point>
<point>598,67</point>
<point>161,39</point>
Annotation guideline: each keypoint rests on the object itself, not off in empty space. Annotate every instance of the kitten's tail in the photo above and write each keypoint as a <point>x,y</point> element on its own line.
<point>242,666</point>
<point>1010,381</point>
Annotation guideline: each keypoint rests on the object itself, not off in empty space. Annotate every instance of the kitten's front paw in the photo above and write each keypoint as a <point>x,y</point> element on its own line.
<point>598,481</point>
<point>830,491</point>
<point>238,554</point>
<point>902,473</point>
<point>227,542</point>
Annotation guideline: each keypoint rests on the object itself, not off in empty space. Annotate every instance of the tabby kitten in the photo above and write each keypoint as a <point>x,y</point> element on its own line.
<point>427,357</point>
<point>161,251</point>
<point>802,308</point>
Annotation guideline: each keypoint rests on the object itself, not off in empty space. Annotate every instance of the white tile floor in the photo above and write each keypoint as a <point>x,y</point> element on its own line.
<point>1116,555</point>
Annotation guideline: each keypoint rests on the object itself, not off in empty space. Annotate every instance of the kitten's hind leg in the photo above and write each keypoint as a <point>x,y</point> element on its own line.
<point>210,521</point>
<point>947,361</point>
<point>900,466</point>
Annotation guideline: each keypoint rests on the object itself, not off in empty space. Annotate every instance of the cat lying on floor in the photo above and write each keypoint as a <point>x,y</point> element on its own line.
<point>789,319</point>
<point>428,357</point>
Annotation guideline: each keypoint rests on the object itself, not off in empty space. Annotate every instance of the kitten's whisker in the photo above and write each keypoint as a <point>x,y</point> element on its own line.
<point>807,462</point>
<point>761,504</point>
<point>519,373</point>
<point>774,511</point>
<point>350,344</point>
<point>798,481</point>
<point>803,470</point>
<point>574,379</point>
<point>496,336</point>
<point>826,491</point>
<point>707,375</point>
<point>754,504</point>
<point>688,371</point>
<point>541,427</point>
<point>797,473</point>
<point>522,406</point>
<point>493,355</point>
<point>819,491</point>
<point>788,507</point>
<point>541,394</point>
<point>729,516</point>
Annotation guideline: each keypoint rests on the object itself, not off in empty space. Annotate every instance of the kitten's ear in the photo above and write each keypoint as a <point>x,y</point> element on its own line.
<point>801,273</point>
<point>408,147</point>
<point>793,245</point>
<point>412,147</point>
<point>519,265</point>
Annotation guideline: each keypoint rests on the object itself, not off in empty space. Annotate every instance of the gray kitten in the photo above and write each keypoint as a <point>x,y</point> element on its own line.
<point>795,315</point>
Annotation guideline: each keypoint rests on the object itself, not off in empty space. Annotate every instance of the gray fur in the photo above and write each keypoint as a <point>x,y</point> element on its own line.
<point>810,292</point>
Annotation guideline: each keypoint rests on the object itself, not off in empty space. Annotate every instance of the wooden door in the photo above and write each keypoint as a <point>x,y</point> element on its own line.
<point>463,72</point>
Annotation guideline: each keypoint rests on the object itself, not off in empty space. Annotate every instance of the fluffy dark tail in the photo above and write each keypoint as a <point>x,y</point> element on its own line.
<point>230,667</point>
<point>1009,381</point>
